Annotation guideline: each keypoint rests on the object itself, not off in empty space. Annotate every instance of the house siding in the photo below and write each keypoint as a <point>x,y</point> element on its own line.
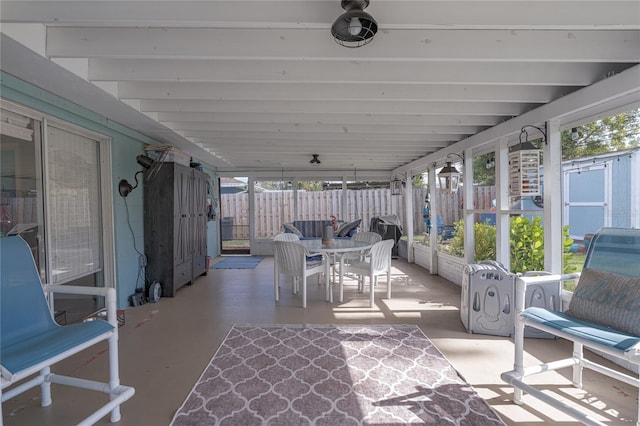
<point>126,144</point>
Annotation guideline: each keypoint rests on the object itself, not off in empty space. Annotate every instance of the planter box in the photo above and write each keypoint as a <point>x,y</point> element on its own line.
<point>422,256</point>
<point>451,267</point>
<point>403,251</point>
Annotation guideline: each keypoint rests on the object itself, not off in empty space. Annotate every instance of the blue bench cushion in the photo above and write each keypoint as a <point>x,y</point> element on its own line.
<point>575,327</point>
<point>347,229</point>
<point>292,229</point>
<point>311,228</point>
<point>609,299</point>
<point>35,349</point>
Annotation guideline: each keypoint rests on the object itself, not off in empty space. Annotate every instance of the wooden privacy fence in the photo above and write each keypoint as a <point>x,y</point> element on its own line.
<point>272,209</point>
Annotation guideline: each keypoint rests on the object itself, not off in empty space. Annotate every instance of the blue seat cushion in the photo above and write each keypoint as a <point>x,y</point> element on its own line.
<point>38,348</point>
<point>575,327</point>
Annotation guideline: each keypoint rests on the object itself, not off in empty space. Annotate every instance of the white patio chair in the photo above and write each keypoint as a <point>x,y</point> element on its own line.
<point>286,236</point>
<point>379,262</point>
<point>366,237</point>
<point>292,259</point>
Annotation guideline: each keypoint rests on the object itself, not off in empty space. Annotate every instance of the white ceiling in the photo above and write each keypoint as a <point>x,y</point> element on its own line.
<point>248,85</point>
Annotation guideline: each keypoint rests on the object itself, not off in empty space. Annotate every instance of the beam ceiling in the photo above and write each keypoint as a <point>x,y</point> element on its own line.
<point>261,85</point>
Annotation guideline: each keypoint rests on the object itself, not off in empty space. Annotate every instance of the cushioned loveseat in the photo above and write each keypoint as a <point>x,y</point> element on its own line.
<point>315,228</point>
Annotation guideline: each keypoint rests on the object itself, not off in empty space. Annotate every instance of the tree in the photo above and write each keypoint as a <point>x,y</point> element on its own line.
<point>483,174</point>
<point>614,133</point>
<point>418,181</point>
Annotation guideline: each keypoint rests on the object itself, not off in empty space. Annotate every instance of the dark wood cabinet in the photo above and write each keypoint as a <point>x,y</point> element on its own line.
<point>175,225</point>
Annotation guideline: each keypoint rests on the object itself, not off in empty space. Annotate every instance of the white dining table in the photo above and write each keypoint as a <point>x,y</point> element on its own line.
<point>329,250</point>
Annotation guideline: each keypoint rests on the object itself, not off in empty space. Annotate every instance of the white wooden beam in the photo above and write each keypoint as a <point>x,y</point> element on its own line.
<point>343,107</point>
<point>326,128</point>
<point>384,92</point>
<point>417,45</point>
<point>319,14</point>
<point>357,71</point>
<point>330,118</point>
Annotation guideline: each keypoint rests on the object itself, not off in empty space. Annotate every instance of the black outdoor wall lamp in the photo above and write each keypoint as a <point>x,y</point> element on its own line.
<point>124,187</point>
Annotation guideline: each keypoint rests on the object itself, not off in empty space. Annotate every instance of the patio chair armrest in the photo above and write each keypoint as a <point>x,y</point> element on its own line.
<point>523,281</point>
<point>109,294</point>
<point>633,353</point>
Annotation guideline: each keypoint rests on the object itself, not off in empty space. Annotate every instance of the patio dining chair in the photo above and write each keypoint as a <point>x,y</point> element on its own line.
<point>292,259</point>
<point>286,236</point>
<point>378,263</point>
<point>368,237</point>
<point>31,342</point>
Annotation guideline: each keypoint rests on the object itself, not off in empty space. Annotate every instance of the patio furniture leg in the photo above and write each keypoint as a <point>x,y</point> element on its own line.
<point>389,284</point>
<point>45,387</point>
<point>577,368</point>
<point>276,280</point>
<point>372,287</point>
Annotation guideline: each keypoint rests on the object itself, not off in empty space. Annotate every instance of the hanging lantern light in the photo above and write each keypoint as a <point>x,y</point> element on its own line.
<point>397,186</point>
<point>524,166</point>
<point>449,176</point>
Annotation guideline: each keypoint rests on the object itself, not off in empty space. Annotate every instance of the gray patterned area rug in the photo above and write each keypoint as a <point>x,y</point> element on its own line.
<point>331,375</point>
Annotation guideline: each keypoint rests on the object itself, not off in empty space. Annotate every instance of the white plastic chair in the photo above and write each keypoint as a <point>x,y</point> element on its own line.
<point>291,258</point>
<point>366,237</point>
<point>286,236</point>
<point>379,262</point>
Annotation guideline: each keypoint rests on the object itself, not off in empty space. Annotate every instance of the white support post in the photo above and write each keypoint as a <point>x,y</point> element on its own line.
<point>295,199</point>
<point>343,199</point>
<point>433,235</point>
<point>469,222</point>
<point>503,225</point>
<point>635,196</point>
<point>409,213</point>
<point>252,213</point>
<point>552,152</point>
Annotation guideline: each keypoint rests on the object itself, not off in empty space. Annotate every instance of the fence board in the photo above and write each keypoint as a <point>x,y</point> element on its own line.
<point>275,208</point>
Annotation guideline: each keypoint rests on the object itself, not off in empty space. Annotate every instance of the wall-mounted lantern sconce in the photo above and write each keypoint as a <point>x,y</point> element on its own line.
<point>124,187</point>
<point>524,165</point>
<point>449,176</point>
<point>397,186</point>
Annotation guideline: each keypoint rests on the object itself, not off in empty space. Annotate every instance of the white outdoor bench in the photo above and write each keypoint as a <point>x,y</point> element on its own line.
<point>603,315</point>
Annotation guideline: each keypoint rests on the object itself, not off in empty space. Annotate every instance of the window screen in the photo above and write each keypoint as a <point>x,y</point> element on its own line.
<point>73,195</point>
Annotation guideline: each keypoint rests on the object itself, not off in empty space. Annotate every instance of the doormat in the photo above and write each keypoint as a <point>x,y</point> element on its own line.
<point>331,375</point>
<point>239,262</point>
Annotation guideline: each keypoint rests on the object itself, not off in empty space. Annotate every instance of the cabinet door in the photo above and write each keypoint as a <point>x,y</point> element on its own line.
<point>182,186</point>
<point>200,214</point>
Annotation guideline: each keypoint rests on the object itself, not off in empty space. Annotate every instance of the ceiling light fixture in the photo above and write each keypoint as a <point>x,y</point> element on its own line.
<point>315,160</point>
<point>355,27</point>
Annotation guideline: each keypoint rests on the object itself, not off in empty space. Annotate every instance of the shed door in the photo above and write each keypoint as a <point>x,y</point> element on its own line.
<point>587,197</point>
